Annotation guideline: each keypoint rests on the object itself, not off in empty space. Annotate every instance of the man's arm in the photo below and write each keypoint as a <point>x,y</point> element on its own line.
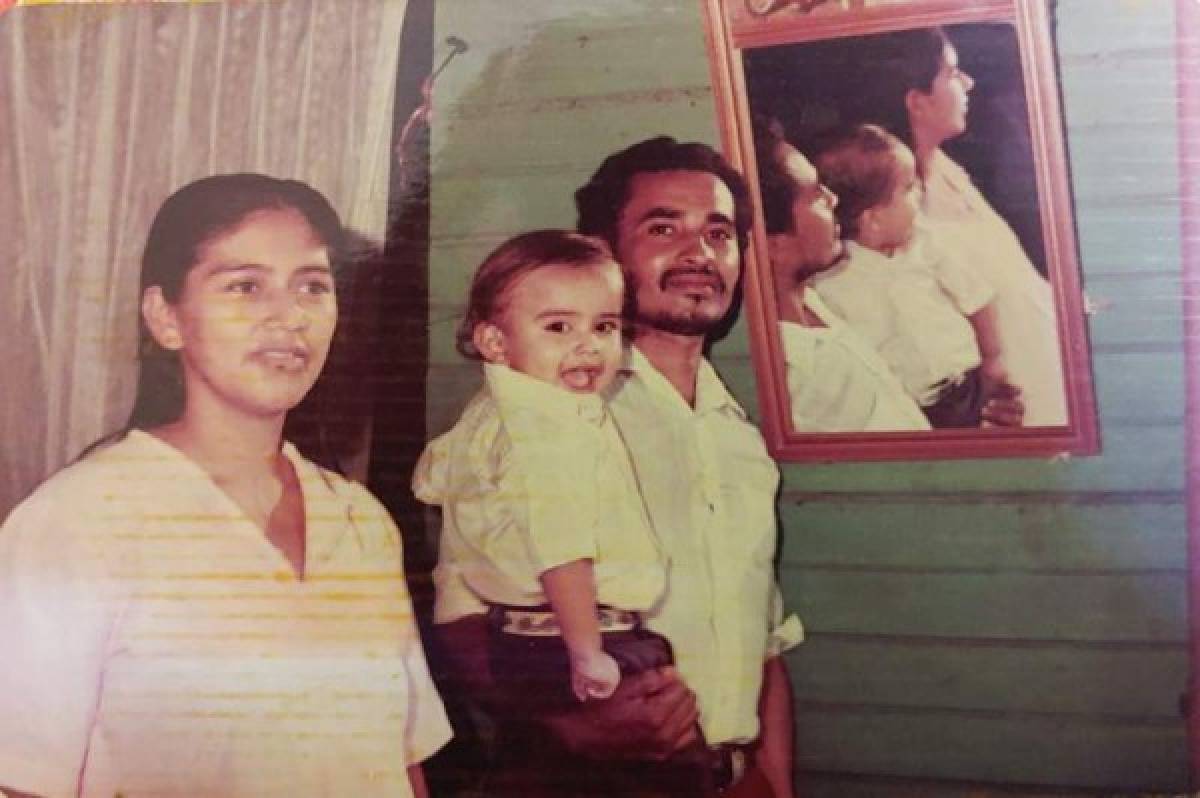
<point>1003,406</point>
<point>987,336</point>
<point>416,779</point>
<point>651,714</point>
<point>777,733</point>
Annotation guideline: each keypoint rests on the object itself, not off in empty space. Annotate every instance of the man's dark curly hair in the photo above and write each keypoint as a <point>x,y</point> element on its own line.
<point>601,200</point>
<point>776,188</point>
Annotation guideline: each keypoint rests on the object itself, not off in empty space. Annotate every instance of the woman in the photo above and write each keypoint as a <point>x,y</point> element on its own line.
<point>925,98</point>
<point>193,608</point>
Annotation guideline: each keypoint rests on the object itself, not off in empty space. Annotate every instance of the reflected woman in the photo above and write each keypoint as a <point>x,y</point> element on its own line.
<point>924,97</point>
<point>193,608</point>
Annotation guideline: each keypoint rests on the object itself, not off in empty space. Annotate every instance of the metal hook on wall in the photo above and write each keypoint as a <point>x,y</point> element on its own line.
<point>422,112</point>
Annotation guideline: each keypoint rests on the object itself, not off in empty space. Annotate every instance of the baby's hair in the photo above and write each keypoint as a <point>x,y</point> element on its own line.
<point>511,261</point>
<point>860,165</point>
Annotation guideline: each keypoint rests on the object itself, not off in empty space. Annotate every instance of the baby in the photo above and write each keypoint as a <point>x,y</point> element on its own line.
<point>932,320</point>
<point>536,488</point>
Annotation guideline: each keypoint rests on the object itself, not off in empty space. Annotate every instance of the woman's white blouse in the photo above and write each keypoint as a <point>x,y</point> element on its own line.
<point>156,643</point>
<point>963,223</point>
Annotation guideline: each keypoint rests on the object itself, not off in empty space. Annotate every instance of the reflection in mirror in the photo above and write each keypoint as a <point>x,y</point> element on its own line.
<point>837,380</point>
<point>910,288</point>
<point>932,276</point>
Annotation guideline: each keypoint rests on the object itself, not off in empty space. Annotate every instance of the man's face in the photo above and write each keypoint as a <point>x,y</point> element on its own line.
<point>677,242</point>
<point>814,243</point>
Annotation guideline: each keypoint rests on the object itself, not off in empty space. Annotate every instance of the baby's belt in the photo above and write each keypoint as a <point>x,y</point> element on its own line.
<point>541,621</point>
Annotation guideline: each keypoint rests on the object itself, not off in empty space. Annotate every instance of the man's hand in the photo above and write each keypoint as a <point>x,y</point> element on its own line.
<point>1003,406</point>
<point>650,716</point>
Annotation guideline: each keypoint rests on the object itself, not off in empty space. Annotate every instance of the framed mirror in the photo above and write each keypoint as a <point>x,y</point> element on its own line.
<point>912,284</point>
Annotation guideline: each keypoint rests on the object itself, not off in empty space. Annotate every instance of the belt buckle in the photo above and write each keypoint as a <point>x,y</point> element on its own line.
<point>544,623</point>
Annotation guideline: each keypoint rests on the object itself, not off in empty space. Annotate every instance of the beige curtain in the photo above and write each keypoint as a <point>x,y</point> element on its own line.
<point>104,111</point>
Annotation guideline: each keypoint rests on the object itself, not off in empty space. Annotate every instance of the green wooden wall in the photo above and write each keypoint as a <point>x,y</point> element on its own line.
<point>1018,622</point>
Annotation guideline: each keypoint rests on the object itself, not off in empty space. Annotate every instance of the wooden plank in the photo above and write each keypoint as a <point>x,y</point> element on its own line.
<point>845,785</point>
<point>1095,682</point>
<point>1118,31</point>
<point>449,390</point>
<point>1136,171</point>
<point>1117,75</point>
<point>480,214</point>
<point>623,47</point>
<point>993,748</point>
<point>536,190</point>
<point>1119,234</point>
<point>1135,309</point>
<point>562,138</point>
<point>1077,607</point>
<point>1134,459</point>
<point>955,532</point>
<point>1139,387</point>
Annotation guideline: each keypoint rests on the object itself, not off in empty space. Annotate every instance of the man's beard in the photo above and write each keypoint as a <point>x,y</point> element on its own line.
<point>678,323</point>
<point>803,272</point>
<point>694,323</point>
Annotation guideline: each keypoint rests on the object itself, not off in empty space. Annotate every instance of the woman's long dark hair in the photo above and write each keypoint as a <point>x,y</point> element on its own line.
<point>901,61</point>
<point>187,221</point>
<point>190,218</point>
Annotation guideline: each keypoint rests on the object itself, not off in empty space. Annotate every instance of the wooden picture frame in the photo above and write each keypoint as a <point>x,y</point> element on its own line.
<point>803,58</point>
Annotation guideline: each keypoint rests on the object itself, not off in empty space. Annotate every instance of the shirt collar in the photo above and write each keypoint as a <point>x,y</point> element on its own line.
<point>865,257</point>
<point>326,496</point>
<point>813,301</point>
<point>511,388</point>
<point>711,393</point>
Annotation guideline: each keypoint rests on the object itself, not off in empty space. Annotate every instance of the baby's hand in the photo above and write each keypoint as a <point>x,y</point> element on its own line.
<point>594,675</point>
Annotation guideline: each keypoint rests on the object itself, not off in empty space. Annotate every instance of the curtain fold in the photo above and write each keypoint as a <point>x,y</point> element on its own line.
<point>107,109</point>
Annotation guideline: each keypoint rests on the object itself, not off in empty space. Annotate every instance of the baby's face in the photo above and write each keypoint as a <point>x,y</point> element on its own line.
<point>894,219</point>
<point>562,325</point>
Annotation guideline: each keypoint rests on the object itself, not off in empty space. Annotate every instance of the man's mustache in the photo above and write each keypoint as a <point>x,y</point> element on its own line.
<point>708,274</point>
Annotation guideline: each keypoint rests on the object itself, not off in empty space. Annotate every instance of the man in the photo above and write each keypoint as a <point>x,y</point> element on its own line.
<point>837,382</point>
<point>677,217</point>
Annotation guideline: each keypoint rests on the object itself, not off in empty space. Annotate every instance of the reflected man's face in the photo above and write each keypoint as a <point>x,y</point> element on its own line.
<point>814,243</point>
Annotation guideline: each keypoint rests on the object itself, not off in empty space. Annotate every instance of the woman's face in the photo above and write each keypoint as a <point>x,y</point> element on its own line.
<point>941,113</point>
<point>255,317</point>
